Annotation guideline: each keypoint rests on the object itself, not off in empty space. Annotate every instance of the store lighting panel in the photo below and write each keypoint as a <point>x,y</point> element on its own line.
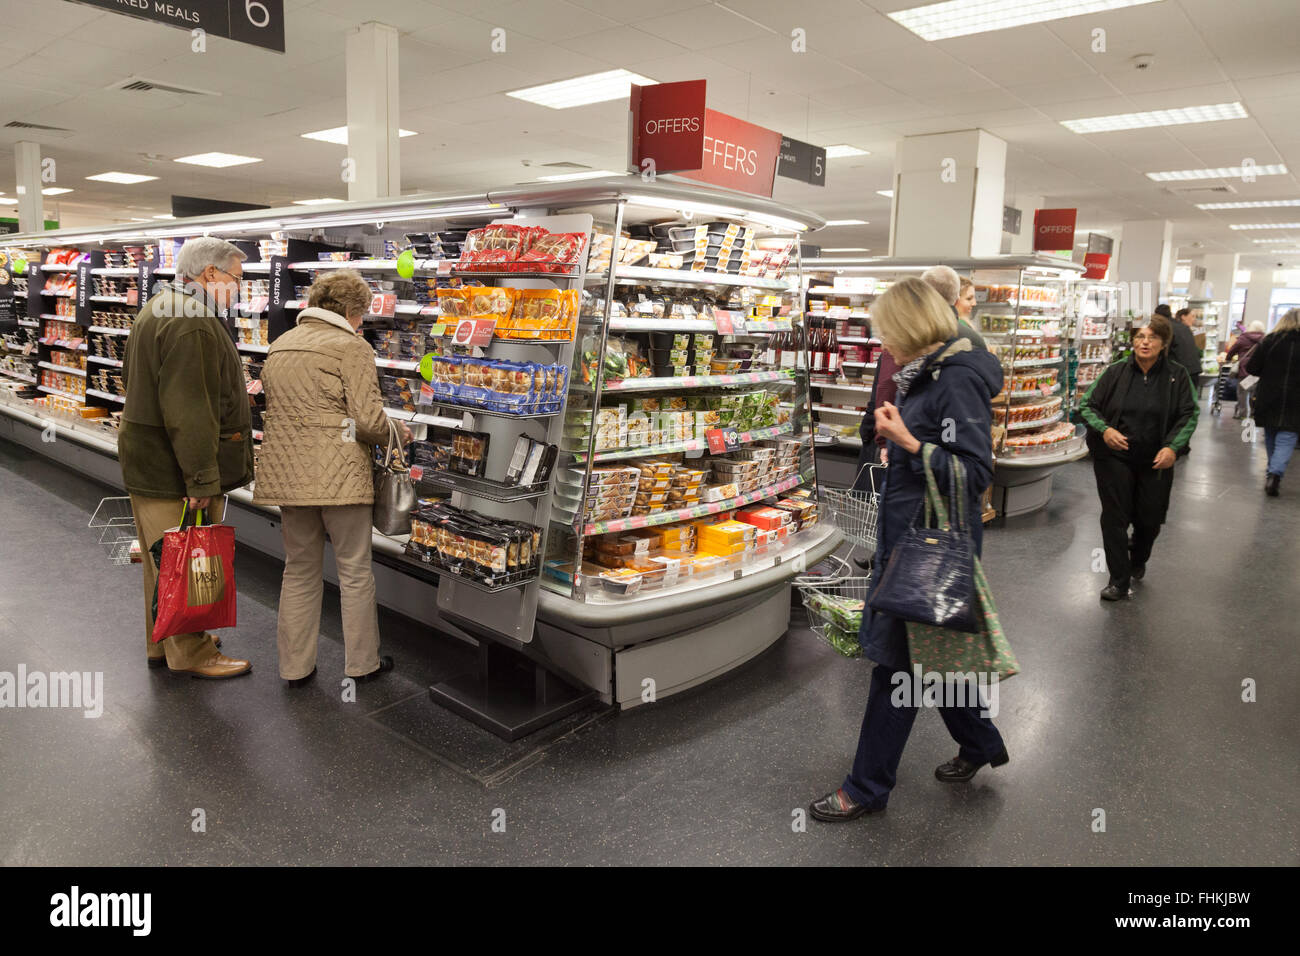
<point>1222,172</point>
<point>339,135</point>
<point>1266,225</point>
<point>122,179</point>
<point>582,90</point>
<point>1175,117</point>
<point>1261,204</point>
<point>956,18</point>
<point>217,160</point>
<point>841,150</point>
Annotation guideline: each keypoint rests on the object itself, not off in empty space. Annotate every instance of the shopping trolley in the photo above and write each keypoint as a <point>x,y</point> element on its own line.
<point>834,602</point>
<point>857,513</point>
<point>117,535</point>
<point>1225,387</point>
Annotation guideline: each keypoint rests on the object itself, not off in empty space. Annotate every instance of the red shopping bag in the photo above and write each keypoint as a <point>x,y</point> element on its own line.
<point>196,578</point>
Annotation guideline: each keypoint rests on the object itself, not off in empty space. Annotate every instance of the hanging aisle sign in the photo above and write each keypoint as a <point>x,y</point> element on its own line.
<point>738,155</point>
<point>1054,229</point>
<point>802,161</point>
<point>667,127</point>
<point>255,22</point>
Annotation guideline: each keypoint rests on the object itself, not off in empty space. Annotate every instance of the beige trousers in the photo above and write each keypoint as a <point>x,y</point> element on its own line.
<point>303,587</point>
<point>153,517</point>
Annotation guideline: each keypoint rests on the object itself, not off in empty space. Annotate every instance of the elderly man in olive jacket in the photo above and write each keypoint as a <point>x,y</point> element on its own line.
<point>186,433</point>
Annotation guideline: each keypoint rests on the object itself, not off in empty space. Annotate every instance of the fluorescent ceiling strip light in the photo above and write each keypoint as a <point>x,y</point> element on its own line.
<point>1267,225</point>
<point>6,201</point>
<point>217,160</point>
<point>339,135</point>
<point>122,179</point>
<point>1175,117</point>
<point>1222,172</point>
<point>1258,204</point>
<point>956,18</point>
<point>1272,240</point>
<point>582,90</point>
<point>847,222</point>
<point>585,174</point>
<point>55,190</point>
<point>841,150</point>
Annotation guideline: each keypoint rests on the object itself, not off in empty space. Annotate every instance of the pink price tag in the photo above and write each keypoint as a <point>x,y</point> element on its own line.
<point>445,266</point>
<point>426,394</point>
<point>689,381</point>
<point>417,472</point>
<point>639,521</point>
<point>722,319</point>
<point>617,525</point>
<point>428,310</point>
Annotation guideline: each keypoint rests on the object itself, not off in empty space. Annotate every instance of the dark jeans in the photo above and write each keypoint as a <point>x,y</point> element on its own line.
<point>885,728</point>
<point>1131,494</point>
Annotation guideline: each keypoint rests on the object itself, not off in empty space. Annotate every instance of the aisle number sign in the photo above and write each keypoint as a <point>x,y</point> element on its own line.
<point>255,22</point>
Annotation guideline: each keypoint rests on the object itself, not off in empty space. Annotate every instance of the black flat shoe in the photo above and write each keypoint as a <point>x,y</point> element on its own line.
<point>1115,592</point>
<point>385,665</point>
<point>1271,485</point>
<point>1138,572</point>
<point>300,681</point>
<point>837,807</point>
<point>958,770</point>
<point>156,662</point>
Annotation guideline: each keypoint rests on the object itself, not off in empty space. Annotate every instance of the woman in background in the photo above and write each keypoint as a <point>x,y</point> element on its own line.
<point>1276,360</point>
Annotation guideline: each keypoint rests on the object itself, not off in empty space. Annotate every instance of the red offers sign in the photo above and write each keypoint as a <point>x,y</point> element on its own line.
<point>738,155</point>
<point>1095,265</point>
<point>1054,229</point>
<point>667,126</point>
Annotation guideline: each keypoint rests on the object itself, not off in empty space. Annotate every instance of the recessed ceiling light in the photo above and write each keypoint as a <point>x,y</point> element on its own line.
<point>1259,204</point>
<point>315,202</point>
<point>938,21</point>
<point>847,249</point>
<point>844,149</point>
<point>1267,225</point>
<point>123,179</point>
<point>585,174</point>
<point>339,135</point>
<point>887,193</point>
<point>1174,117</point>
<point>847,222</point>
<point>1272,240</point>
<point>1222,172</point>
<point>581,90</point>
<point>55,190</point>
<point>218,160</point>
<point>6,201</point>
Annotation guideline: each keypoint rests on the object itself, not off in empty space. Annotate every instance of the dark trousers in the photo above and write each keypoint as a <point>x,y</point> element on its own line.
<point>1131,494</point>
<point>885,728</point>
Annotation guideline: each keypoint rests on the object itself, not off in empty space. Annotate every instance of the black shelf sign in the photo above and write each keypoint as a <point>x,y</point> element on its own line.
<point>85,286</point>
<point>802,161</point>
<point>144,280</point>
<point>255,22</point>
<point>8,320</point>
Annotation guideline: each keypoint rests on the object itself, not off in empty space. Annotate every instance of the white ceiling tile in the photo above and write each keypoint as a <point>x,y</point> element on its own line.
<point>622,45</point>
<point>634,11</point>
<point>705,27</point>
<point>1070,90</point>
<point>918,70</point>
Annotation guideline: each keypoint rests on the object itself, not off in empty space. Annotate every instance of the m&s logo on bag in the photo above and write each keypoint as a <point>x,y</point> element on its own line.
<point>207,579</point>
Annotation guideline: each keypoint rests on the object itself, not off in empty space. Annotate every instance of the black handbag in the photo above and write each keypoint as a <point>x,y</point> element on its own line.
<point>930,576</point>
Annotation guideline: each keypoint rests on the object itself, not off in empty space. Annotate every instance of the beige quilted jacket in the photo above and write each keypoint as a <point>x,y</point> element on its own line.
<point>323,412</point>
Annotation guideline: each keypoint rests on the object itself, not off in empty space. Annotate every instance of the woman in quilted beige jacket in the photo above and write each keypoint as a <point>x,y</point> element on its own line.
<point>324,411</point>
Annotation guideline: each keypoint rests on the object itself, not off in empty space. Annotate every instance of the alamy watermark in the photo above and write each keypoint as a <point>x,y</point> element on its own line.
<point>37,689</point>
<point>946,689</point>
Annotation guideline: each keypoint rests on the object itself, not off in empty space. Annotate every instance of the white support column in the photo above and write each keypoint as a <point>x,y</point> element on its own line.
<point>948,195</point>
<point>1147,257</point>
<point>1259,298</point>
<point>31,205</point>
<point>1220,278</point>
<point>372,80</point>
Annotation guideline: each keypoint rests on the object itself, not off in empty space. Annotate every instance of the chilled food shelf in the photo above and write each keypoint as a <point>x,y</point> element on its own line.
<point>64,344</point>
<point>696,511</point>
<point>63,368</point>
<point>662,325</point>
<point>1031,392</point>
<point>22,378</point>
<point>1038,423</point>
<point>116,363</point>
<point>61,394</point>
<point>689,445</point>
<point>696,381</point>
<point>857,340</point>
<point>427,560</point>
<point>59,268</point>
<point>832,410</point>
<point>1029,363</point>
<point>248,347</point>
<point>119,299</point>
<point>859,364</point>
<point>842,388</point>
<point>1094,361</point>
<point>115,271</point>
<point>626,275</point>
<point>480,487</point>
<point>108,395</point>
<point>397,364</point>
<point>420,418</point>
<point>105,330</point>
<point>29,323</point>
<point>1095,338</point>
<point>388,265</point>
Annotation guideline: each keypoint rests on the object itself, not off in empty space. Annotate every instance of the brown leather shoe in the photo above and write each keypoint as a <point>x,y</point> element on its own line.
<point>216,667</point>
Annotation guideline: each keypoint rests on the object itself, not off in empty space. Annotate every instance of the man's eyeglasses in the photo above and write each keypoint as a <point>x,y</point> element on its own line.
<point>237,278</point>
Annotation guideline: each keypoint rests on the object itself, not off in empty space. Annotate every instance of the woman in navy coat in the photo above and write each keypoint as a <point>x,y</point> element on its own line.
<point>944,400</point>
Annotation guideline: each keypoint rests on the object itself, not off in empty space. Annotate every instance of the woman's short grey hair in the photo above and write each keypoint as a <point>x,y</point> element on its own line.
<point>945,281</point>
<point>203,251</point>
<point>1255,326</point>
<point>342,292</point>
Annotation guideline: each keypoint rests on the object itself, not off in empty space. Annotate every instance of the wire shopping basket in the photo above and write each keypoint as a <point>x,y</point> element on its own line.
<point>117,534</point>
<point>857,513</point>
<point>834,603</point>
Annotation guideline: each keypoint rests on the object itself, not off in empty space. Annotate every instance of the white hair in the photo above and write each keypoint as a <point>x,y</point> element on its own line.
<point>945,281</point>
<point>203,251</point>
<point>1256,326</point>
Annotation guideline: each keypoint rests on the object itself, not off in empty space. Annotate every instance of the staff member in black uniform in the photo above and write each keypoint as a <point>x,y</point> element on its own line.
<point>1141,413</point>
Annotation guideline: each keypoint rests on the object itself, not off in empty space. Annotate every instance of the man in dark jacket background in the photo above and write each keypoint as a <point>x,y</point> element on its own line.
<point>186,434</point>
<point>1184,350</point>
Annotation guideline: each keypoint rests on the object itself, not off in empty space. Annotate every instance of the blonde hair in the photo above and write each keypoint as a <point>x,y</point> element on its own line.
<point>343,292</point>
<point>1289,322</point>
<point>912,316</point>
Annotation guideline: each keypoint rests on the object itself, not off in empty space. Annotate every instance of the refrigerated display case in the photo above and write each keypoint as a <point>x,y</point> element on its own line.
<point>687,334</point>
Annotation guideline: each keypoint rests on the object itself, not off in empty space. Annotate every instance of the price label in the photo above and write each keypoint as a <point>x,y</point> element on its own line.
<point>254,387</point>
<point>724,322</point>
<point>429,310</point>
<point>722,440</point>
<point>417,472</point>
<point>426,394</point>
<point>445,266</point>
<point>645,308</point>
<point>384,304</point>
<point>475,332</point>
<point>133,297</point>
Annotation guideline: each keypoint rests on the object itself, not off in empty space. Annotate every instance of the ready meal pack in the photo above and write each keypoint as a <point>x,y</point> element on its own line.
<point>516,388</point>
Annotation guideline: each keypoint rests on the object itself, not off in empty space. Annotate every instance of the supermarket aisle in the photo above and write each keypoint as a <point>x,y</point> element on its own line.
<point>1134,708</point>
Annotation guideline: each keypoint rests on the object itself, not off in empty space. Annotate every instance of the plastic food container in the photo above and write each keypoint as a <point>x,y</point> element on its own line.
<point>622,583</point>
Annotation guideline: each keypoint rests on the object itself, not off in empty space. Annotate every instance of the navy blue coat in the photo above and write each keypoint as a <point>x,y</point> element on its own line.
<point>956,384</point>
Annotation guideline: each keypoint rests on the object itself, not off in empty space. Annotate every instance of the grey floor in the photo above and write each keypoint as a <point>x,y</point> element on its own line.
<point>1134,708</point>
